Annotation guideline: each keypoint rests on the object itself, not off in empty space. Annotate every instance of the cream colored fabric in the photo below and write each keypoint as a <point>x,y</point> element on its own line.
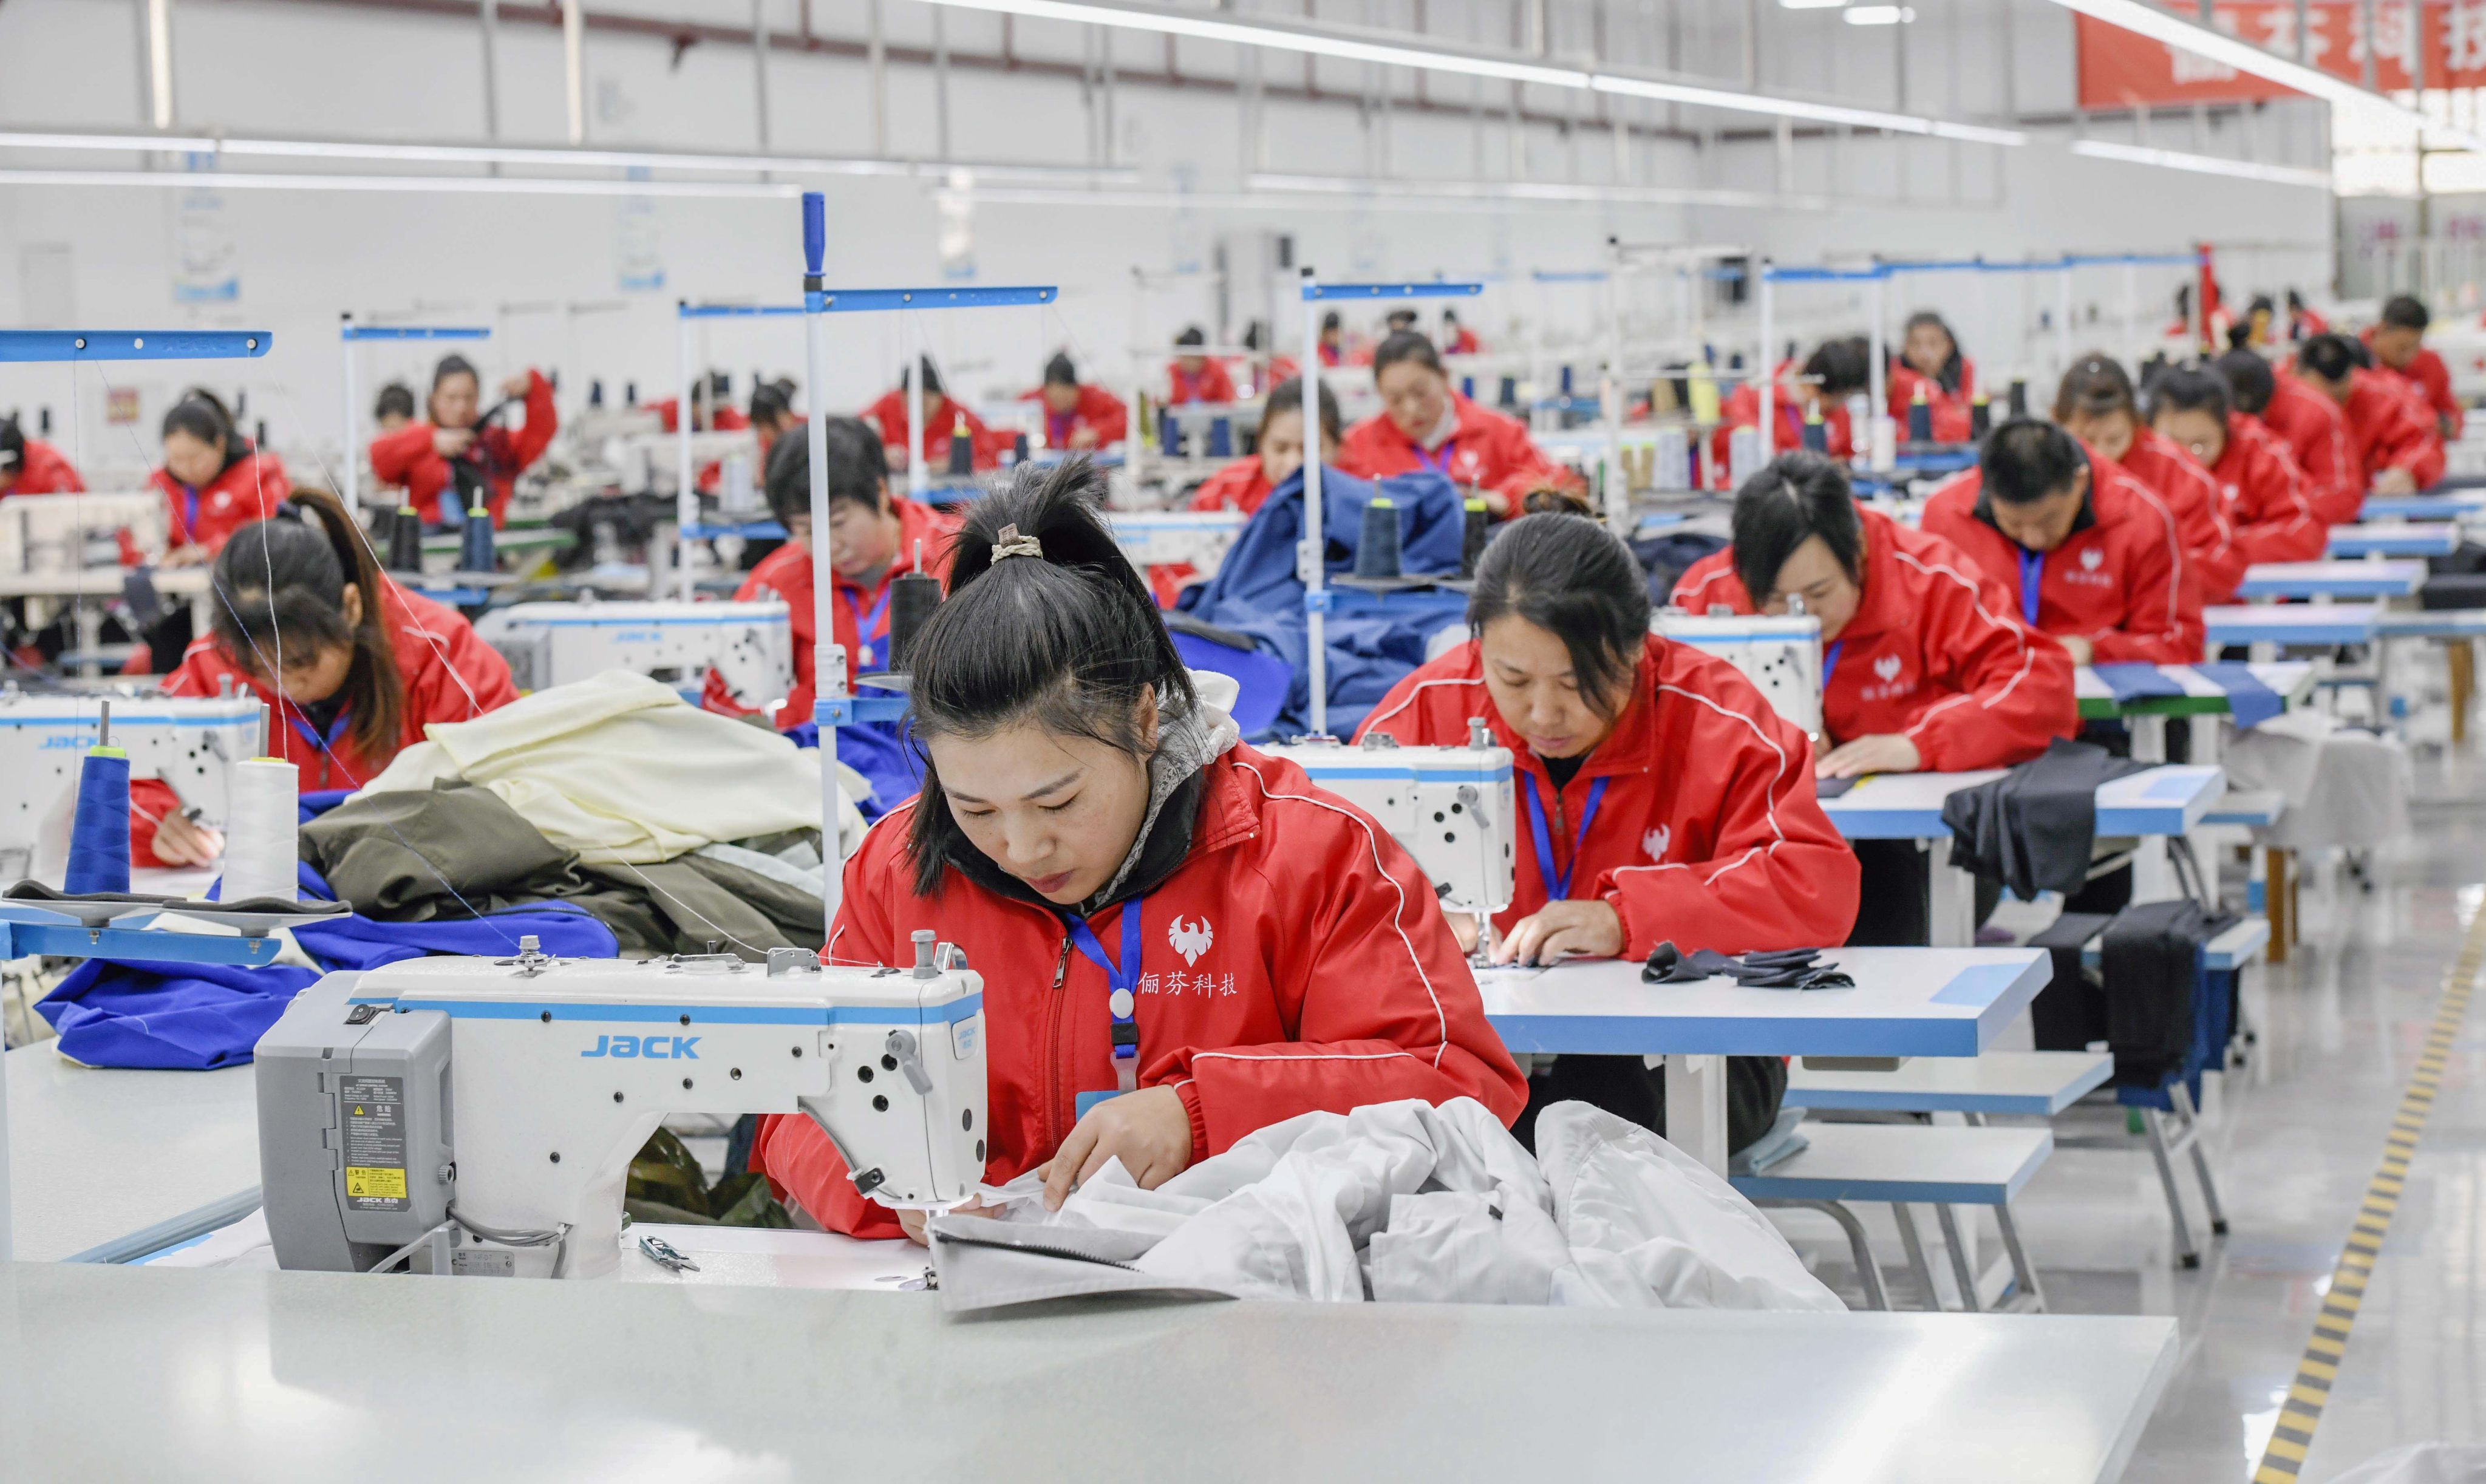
<point>621,769</point>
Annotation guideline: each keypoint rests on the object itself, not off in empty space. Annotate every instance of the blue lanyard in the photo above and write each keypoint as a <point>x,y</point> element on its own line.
<point>2033,574</point>
<point>336,730</point>
<point>190,518</point>
<point>1559,888</point>
<point>1438,459</point>
<point>1124,982</point>
<point>1830,662</point>
<point>870,627</point>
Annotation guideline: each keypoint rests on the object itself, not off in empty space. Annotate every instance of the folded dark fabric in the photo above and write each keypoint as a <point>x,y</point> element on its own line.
<point>2033,829</point>
<point>2151,958</point>
<point>1829,788</point>
<point>1775,968</point>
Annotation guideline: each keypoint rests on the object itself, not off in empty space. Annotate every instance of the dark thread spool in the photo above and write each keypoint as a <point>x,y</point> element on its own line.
<point>2018,398</point>
<point>1018,449</point>
<point>406,541</point>
<point>1221,437</point>
<point>1920,421</point>
<point>1816,435</point>
<point>1980,418</point>
<point>962,450</point>
<point>1509,392</point>
<point>1472,537</point>
<point>1566,381</point>
<point>475,549</point>
<point>1376,552</point>
<point>1467,387</point>
<point>912,597</point>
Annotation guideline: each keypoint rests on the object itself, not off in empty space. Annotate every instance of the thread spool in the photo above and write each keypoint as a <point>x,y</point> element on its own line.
<point>1467,387</point>
<point>2019,403</point>
<point>962,449</point>
<point>912,597</point>
<point>99,831</point>
<point>263,831</point>
<point>1566,381</point>
<point>475,552</point>
<point>1980,418</point>
<point>406,541</point>
<point>1510,397</point>
<point>1816,432</point>
<point>1169,433</point>
<point>1478,527</point>
<point>1377,553</point>
<point>1920,418</point>
<point>1018,450</point>
<point>1221,437</point>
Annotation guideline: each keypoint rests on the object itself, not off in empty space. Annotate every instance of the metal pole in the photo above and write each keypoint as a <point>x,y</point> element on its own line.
<point>1765,369</point>
<point>1609,398</point>
<point>918,478</point>
<point>1877,374</point>
<point>759,67</point>
<point>159,60</point>
<point>685,495</point>
<point>2132,313</point>
<point>490,12</point>
<point>1312,560</point>
<point>573,56</point>
<point>2063,321</point>
<point>828,656</point>
<point>353,459</point>
<point>877,52</point>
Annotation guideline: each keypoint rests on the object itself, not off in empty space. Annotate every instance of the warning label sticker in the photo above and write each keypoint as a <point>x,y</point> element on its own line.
<point>375,1121</point>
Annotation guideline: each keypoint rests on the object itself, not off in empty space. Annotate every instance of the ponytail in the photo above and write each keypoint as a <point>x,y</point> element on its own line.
<point>1065,637</point>
<point>283,580</point>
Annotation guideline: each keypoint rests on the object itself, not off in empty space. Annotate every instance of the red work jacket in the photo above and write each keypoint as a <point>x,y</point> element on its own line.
<point>1213,385</point>
<point>1952,417</point>
<point>2386,430</point>
<point>249,490</point>
<point>2316,434</point>
<point>2432,378</point>
<point>406,457</point>
<point>2192,496</point>
<point>1099,412</point>
<point>940,415</point>
<point>47,471</point>
<point>2269,503</point>
<point>1487,451</point>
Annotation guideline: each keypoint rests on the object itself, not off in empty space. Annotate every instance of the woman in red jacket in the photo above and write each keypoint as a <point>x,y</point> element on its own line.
<point>1926,664</point>
<point>1697,821</point>
<point>30,466</point>
<point>445,463</point>
<point>2095,403</point>
<point>1078,416</point>
<point>1228,945</point>
<point>2265,496</point>
<point>214,481</point>
<point>1930,363</point>
<point>355,666</point>
<point>1426,424</point>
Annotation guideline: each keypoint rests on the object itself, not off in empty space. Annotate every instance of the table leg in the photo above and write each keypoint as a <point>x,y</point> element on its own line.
<point>1695,1107</point>
<point>2149,738</point>
<point>2279,899</point>
<point>2153,872</point>
<point>2462,659</point>
<point>1950,897</point>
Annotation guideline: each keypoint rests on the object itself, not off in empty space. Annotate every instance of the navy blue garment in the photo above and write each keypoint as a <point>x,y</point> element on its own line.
<point>2133,682</point>
<point>196,1017</point>
<point>878,751</point>
<point>2249,700</point>
<point>1372,642</point>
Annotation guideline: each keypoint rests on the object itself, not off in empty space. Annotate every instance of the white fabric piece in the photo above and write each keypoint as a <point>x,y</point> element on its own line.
<point>1408,1201</point>
<point>621,770</point>
<point>2344,787</point>
<point>2421,1463</point>
<point>1648,1227</point>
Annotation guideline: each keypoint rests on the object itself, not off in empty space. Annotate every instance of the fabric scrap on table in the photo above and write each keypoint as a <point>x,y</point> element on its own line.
<point>1400,1201</point>
<point>2250,702</point>
<point>1776,969</point>
<point>2033,827</point>
<point>1784,1140</point>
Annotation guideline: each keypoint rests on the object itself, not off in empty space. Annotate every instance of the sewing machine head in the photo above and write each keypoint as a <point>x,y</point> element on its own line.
<point>1452,809</point>
<point>479,1115</point>
<point>191,743</point>
<point>72,533</point>
<point>748,646</point>
<point>1781,655</point>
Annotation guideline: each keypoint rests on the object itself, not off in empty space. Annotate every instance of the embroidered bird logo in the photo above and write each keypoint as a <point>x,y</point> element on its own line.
<point>1655,841</point>
<point>2093,558</point>
<point>1888,668</point>
<point>1190,940</point>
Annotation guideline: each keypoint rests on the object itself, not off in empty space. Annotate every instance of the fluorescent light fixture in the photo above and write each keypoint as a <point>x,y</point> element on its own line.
<point>1420,191</point>
<point>1283,36</point>
<point>2145,20</point>
<point>1880,16</point>
<point>1810,5</point>
<point>484,186</point>
<point>2203,164</point>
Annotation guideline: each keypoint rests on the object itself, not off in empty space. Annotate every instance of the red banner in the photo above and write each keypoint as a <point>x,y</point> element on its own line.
<point>2119,69</point>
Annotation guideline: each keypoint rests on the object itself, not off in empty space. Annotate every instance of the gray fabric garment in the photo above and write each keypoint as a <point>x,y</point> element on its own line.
<point>1185,744</point>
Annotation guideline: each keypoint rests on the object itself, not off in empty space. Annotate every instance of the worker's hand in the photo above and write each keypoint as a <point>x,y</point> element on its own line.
<point>1465,928</point>
<point>1586,929</point>
<point>1496,504</point>
<point>1149,1129</point>
<point>914,1221</point>
<point>1084,438</point>
<point>449,442</point>
<point>181,842</point>
<point>1881,753</point>
<point>518,385</point>
<point>2396,482</point>
<point>184,556</point>
<point>2082,650</point>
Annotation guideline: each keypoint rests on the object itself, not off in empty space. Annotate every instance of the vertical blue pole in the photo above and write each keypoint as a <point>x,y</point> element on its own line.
<point>828,656</point>
<point>1312,560</point>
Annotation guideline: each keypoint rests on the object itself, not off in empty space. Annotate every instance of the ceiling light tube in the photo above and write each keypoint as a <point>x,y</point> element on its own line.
<point>2203,164</point>
<point>1797,108</point>
<point>487,185</point>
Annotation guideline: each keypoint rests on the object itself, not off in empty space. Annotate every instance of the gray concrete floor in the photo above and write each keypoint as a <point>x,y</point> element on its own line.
<point>2294,1135</point>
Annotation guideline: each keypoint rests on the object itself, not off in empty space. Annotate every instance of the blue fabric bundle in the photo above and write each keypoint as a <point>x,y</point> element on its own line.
<point>2249,700</point>
<point>2133,682</point>
<point>196,1017</point>
<point>99,834</point>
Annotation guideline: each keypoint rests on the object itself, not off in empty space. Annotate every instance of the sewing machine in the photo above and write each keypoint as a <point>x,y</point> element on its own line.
<point>748,645</point>
<point>1157,538</point>
<point>476,1116</point>
<point>1452,808</point>
<point>650,463</point>
<point>66,533</point>
<point>1781,656</point>
<point>191,744</point>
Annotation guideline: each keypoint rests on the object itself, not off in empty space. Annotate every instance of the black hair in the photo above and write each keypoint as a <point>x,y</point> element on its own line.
<point>1400,320</point>
<point>13,445</point>
<point>1564,572</point>
<point>1795,497</point>
<point>203,415</point>
<point>1060,372</point>
<point>1288,397</point>
<point>1954,368</point>
<point>2262,304</point>
<point>1256,335</point>
<point>858,471</point>
<point>395,398</point>
<point>1192,335</point>
<point>2096,385</point>
<point>931,375</point>
<point>2026,461</point>
<point>2250,385</point>
<point>1071,641</point>
<point>2330,357</point>
<point>2189,388</point>
<point>2406,312</point>
<point>1330,321</point>
<point>1840,368</point>
<point>454,364</point>
<point>282,582</point>
<point>772,400</point>
<point>1406,345</point>
<point>1450,317</point>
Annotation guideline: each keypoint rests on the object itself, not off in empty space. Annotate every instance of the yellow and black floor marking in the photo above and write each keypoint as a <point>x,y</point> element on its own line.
<point>2302,1411</point>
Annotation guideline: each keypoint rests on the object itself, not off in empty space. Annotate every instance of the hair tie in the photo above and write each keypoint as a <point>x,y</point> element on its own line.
<point>1009,543</point>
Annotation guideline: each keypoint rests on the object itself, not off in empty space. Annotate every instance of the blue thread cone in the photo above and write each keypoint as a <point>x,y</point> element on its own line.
<point>1221,438</point>
<point>475,553</point>
<point>99,834</point>
<point>1377,551</point>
